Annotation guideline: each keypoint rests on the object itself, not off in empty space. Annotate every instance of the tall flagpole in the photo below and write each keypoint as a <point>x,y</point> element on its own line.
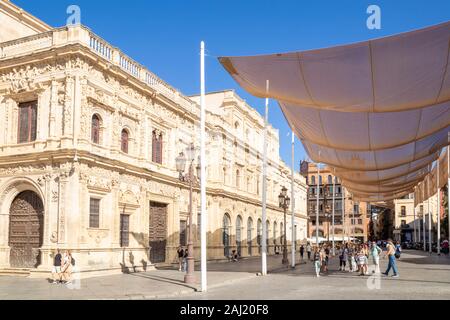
<point>448,192</point>
<point>264,188</point>
<point>332,215</point>
<point>423,218</point>
<point>343,214</point>
<point>438,210</point>
<point>293,202</point>
<point>317,205</point>
<point>203,219</point>
<point>414,211</point>
<point>429,215</point>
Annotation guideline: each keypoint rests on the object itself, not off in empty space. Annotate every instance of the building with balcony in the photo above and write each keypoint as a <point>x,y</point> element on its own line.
<point>87,158</point>
<point>405,219</point>
<point>351,218</point>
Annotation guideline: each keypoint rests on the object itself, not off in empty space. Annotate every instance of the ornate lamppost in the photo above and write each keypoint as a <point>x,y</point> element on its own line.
<point>284,202</point>
<point>190,179</point>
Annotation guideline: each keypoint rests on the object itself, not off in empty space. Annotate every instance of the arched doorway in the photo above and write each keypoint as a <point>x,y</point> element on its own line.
<point>26,230</point>
<point>226,235</point>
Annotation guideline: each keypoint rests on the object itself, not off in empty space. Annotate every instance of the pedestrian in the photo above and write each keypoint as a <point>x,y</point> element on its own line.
<point>308,251</point>
<point>361,259</point>
<point>66,268</point>
<point>180,253</point>
<point>375,252</point>
<point>398,250</point>
<point>317,261</point>
<point>327,258</point>
<point>343,257</point>
<point>302,251</point>
<point>445,246</point>
<point>56,271</point>
<point>390,253</point>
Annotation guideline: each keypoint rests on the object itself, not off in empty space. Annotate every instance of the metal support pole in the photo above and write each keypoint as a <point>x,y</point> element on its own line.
<point>448,193</point>
<point>438,210</point>
<point>317,208</point>
<point>203,222</point>
<point>344,221</point>
<point>429,218</point>
<point>285,258</point>
<point>332,213</point>
<point>423,218</point>
<point>264,188</point>
<point>189,277</point>
<point>293,203</point>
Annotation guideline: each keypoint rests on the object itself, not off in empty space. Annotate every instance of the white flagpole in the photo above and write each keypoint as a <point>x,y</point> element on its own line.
<point>203,219</point>
<point>448,192</point>
<point>332,223</point>
<point>423,217</point>
<point>293,202</point>
<point>344,227</point>
<point>438,210</point>
<point>264,188</point>
<point>414,238</point>
<point>429,216</point>
<point>317,205</point>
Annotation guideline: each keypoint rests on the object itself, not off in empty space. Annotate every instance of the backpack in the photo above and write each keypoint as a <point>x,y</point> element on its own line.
<point>72,261</point>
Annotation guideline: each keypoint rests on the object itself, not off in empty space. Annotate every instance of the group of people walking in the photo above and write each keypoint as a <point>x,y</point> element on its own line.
<point>358,257</point>
<point>63,265</point>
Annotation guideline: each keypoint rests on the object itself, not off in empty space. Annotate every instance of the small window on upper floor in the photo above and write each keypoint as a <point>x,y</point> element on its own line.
<point>125,136</point>
<point>27,122</point>
<point>95,128</point>
<point>157,146</point>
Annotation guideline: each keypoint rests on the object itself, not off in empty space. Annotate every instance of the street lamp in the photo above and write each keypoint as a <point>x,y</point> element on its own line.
<point>284,202</point>
<point>191,179</point>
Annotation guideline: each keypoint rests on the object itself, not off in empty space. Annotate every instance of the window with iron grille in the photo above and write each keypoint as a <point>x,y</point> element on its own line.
<point>94,213</point>
<point>183,233</point>
<point>95,129</point>
<point>27,122</point>
<point>157,147</point>
<point>403,211</point>
<point>124,230</point>
<point>124,141</point>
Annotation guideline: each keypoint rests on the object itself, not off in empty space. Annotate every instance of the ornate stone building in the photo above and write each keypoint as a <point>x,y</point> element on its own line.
<point>88,144</point>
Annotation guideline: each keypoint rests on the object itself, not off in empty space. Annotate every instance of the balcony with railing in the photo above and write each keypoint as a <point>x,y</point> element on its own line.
<point>79,34</point>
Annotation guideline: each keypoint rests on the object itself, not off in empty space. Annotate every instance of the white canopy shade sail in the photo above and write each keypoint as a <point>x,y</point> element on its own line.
<point>377,112</point>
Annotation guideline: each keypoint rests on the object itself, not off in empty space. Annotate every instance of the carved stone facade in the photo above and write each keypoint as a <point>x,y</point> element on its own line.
<point>73,81</point>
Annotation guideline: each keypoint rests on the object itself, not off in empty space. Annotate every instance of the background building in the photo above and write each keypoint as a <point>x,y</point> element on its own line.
<point>351,223</point>
<point>404,218</point>
<point>87,158</point>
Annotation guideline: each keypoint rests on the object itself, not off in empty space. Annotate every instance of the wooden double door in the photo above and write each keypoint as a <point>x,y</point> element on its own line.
<point>26,221</point>
<point>158,232</point>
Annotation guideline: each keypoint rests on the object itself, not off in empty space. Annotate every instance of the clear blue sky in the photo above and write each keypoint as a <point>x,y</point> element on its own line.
<point>164,35</point>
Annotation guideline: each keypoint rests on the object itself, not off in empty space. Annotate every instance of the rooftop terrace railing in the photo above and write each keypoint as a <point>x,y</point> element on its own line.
<point>80,34</point>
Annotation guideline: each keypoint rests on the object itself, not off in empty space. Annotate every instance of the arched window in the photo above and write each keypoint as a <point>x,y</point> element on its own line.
<point>336,180</point>
<point>124,140</point>
<point>157,146</point>
<point>267,232</point>
<point>249,235</point>
<point>95,129</point>
<point>313,180</point>
<point>238,234</point>
<point>226,235</point>
<point>330,179</point>
<point>320,179</point>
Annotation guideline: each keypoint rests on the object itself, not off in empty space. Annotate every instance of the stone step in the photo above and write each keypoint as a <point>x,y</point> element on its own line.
<point>16,272</point>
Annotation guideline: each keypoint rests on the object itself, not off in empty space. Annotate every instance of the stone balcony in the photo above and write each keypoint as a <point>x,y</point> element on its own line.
<point>79,34</point>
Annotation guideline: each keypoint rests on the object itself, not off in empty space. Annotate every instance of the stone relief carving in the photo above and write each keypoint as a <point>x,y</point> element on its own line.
<point>97,235</point>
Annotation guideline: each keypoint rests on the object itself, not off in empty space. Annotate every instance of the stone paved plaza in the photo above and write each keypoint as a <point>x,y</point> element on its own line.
<point>422,277</point>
